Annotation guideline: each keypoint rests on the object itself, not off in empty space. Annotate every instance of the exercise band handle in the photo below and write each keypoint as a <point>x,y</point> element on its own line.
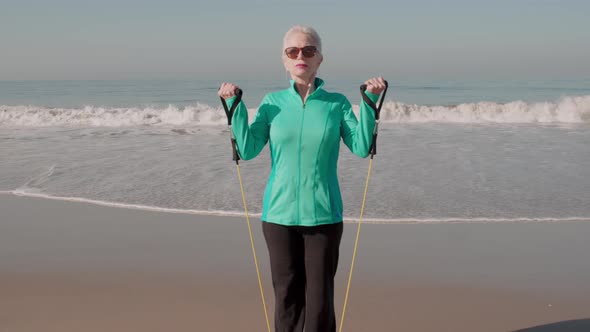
<point>377,109</point>
<point>230,113</point>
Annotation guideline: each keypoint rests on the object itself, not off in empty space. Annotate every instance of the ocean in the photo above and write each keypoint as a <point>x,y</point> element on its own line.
<point>448,150</point>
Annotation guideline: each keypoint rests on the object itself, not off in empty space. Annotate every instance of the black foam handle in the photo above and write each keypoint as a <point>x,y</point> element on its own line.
<point>369,102</point>
<point>377,110</point>
<point>230,112</point>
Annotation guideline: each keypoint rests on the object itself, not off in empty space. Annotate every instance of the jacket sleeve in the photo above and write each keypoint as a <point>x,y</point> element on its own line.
<point>358,135</point>
<point>250,139</point>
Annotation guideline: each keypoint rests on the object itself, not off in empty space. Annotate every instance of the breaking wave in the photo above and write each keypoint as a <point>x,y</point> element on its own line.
<point>569,109</point>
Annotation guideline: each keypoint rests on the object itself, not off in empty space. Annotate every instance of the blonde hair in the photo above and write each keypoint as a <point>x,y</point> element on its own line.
<point>309,31</point>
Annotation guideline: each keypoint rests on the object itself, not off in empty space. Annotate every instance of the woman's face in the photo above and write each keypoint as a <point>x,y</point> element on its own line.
<point>301,67</point>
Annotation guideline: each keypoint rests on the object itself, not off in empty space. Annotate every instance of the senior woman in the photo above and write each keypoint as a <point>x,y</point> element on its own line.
<point>302,205</point>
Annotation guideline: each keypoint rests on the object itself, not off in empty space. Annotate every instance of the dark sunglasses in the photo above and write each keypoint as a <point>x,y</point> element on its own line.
<point>308,52</point>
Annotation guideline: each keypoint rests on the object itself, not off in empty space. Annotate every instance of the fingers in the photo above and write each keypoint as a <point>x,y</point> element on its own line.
<point>375,85</point>
<point>227,90</point>
<point>376,82</point>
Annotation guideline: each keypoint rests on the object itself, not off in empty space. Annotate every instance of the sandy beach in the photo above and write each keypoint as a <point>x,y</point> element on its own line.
<point>68,266</point>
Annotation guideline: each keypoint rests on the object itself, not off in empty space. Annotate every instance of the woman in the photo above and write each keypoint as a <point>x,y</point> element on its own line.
<point>302,206</point>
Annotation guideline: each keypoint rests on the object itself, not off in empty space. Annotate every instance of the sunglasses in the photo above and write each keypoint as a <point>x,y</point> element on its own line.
<point>308,52</point>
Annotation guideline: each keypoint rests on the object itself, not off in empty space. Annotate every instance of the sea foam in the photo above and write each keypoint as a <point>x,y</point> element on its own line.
<point>568,109</point>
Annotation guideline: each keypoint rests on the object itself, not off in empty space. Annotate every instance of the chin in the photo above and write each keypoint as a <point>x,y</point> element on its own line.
<point>303,74</point>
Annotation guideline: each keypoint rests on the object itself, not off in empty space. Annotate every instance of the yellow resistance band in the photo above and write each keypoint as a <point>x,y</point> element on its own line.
<point>356,243</point>
<point>253,248</point>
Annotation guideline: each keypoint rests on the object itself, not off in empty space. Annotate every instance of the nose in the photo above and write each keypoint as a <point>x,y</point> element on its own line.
<point>300,54</point>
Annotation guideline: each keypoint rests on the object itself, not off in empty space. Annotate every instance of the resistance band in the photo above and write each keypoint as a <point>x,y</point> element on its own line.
<point>372,152</point>
<point>236,158</point>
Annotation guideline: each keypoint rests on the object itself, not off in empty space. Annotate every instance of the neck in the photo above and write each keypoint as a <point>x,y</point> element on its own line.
<point>304,86</point>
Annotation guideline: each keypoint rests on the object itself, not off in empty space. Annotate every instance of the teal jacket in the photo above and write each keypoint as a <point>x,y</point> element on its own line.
<point>302,188</point>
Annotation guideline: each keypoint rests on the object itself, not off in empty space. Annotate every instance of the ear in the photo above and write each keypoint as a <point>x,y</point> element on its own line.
<point>285,63</point>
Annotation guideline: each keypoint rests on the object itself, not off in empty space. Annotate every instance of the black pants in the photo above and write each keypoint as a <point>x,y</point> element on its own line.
<point>303,262</point>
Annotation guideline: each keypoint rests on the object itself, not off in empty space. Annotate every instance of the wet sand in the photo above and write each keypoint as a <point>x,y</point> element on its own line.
<point>68,266</point>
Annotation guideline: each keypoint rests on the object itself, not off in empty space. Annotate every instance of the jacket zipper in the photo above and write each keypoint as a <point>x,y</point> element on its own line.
<point>299,164</point>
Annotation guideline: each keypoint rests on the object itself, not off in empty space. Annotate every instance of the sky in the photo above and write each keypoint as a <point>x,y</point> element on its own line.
<point>239,39</point>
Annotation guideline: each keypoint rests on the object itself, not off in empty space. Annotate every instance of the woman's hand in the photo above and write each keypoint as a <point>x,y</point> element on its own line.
<point>227,90</point>
<point>375,85</point>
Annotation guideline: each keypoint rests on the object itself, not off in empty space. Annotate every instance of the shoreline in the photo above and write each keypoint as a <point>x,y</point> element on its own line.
<point>348,220</point>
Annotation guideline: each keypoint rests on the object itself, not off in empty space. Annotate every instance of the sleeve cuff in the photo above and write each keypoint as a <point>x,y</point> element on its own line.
<point>230,101</point>
<point>372,96</point>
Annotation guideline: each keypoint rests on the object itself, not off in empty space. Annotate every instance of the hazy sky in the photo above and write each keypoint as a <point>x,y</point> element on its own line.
<point>241,39</point>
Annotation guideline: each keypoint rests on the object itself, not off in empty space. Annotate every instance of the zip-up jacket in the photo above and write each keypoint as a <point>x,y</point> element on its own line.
<point>304,139</point>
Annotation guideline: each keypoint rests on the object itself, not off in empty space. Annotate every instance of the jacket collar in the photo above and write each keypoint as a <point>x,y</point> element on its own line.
<point>319,84</point>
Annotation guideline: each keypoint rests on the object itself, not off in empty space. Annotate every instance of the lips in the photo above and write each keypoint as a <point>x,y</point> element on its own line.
<point>301,65</point>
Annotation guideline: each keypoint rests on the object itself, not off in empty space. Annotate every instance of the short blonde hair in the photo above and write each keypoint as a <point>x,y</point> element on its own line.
<point>309,31</point>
